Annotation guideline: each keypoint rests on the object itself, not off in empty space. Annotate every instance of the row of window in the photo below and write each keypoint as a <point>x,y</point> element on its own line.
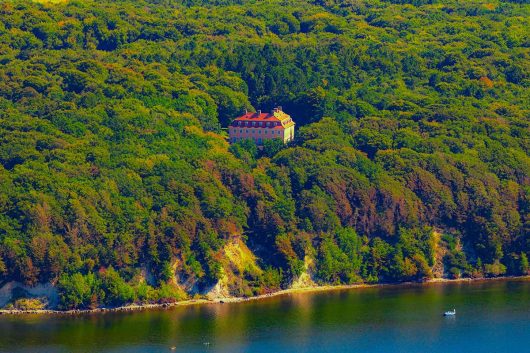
<point>257,140</point>
<point>259,132</point>
<point>258,123</point>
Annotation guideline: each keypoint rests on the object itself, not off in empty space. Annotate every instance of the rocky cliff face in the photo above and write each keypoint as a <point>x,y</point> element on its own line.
<point>46,293</point>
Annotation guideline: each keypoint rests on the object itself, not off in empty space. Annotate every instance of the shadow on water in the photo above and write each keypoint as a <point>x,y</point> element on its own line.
<point>379,319</point>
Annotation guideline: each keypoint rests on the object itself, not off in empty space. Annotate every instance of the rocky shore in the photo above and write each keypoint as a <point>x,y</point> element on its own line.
<point>139,307</point>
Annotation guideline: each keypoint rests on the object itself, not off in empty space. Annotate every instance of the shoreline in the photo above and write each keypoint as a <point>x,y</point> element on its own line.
<point>312,289</point>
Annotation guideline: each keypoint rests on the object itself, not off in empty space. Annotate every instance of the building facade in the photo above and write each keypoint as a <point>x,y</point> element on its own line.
<point>260,126</point>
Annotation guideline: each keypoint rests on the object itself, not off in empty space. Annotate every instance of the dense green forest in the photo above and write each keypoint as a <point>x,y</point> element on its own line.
<point>412,143</point>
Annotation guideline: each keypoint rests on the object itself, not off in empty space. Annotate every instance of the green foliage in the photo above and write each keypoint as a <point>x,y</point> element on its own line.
<point>271,279</point>
<point>145,293</point>
<point>410,115</point>
<point>29,304</point>
<point>108,288</point>
<point>169,293</point>
<point>494,269</point>
<point>339,258</point>
<point>116,290</point>
<point>524,267</point>
<point>77,291</point>
<point>272,147</point>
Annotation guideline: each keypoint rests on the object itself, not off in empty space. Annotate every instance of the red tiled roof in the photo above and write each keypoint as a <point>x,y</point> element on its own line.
<point>257,117</point>
<point>276,117</point>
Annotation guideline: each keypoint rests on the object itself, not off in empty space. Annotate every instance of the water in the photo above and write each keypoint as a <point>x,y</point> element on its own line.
<point>491,316</point>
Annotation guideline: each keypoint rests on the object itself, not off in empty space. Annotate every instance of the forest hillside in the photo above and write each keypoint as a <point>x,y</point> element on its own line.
<point>118,185</point>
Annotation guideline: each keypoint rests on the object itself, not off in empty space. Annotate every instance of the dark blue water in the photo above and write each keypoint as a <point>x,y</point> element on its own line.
<point>492,316</point>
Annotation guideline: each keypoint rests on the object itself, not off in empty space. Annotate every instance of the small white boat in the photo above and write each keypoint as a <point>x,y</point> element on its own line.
<point>450,313</point>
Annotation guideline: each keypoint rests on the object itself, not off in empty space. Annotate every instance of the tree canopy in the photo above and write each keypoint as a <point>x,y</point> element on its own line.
<point>115,174</point>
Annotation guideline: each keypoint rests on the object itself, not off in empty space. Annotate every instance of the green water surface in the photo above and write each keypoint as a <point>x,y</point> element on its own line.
<point>492,316</point>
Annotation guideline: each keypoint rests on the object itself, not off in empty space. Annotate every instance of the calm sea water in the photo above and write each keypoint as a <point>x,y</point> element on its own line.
<point>491,317</point>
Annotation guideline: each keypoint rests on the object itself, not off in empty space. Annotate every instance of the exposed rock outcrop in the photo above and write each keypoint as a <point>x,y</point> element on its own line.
<point>47,290</point>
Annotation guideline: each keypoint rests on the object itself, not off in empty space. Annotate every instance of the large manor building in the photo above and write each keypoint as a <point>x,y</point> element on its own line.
<point>260,126</point>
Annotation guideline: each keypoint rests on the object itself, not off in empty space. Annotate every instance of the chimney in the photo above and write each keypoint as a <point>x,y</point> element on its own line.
<point>246,111</point>
<point>259,112</point>
<point>280,108</point>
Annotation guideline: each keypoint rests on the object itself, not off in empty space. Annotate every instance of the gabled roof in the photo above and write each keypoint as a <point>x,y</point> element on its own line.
<point>250,116</point>
<point>275,115</point>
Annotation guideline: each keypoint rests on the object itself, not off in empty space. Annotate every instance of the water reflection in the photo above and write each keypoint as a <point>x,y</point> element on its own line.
<point>404,318</point>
